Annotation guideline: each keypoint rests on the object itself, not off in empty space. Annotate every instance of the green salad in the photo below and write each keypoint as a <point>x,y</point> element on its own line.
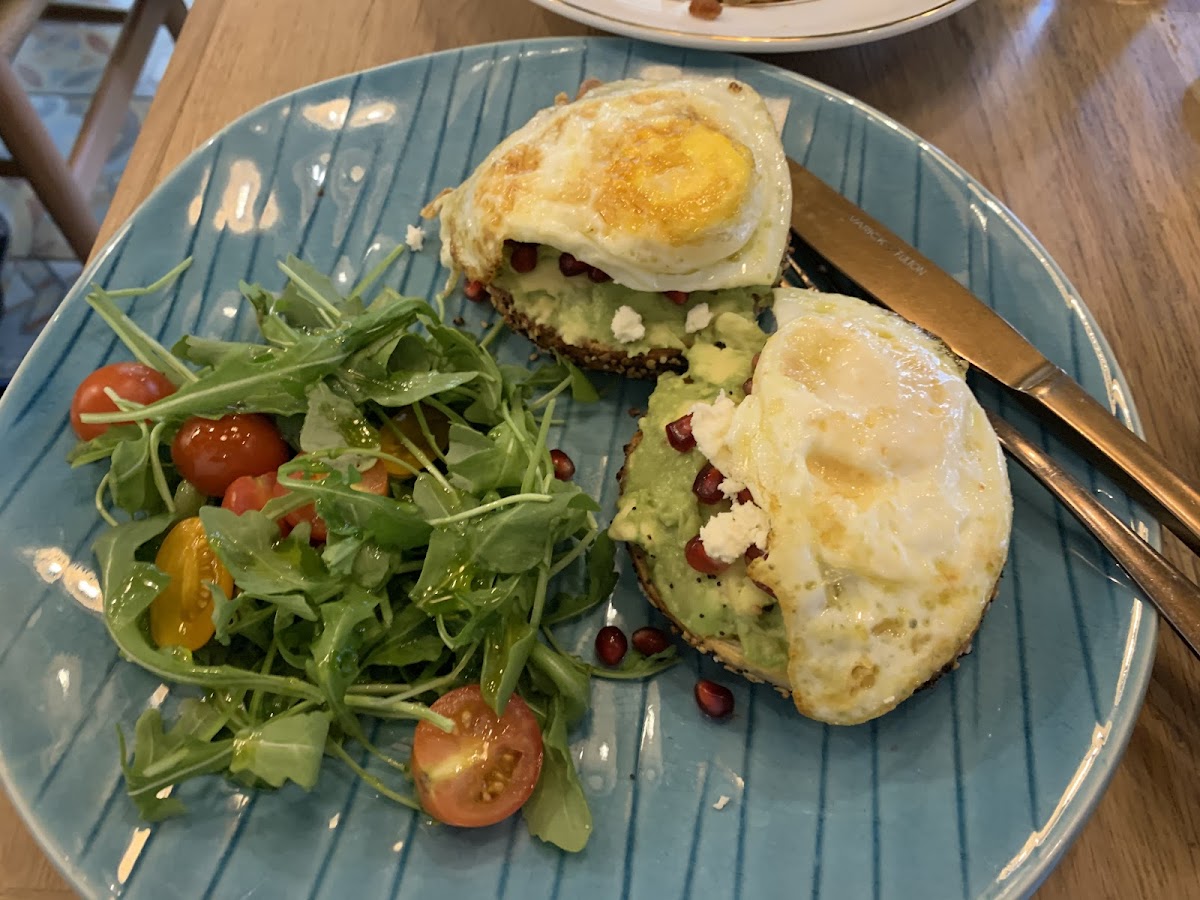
<point>357,519</point>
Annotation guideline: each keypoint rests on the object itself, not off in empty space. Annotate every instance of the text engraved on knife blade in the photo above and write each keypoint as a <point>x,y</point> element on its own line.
<point>898,252</point>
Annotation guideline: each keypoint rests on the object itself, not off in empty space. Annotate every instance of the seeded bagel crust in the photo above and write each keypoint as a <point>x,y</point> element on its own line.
<point>589,354</point>
<point>729,652</point>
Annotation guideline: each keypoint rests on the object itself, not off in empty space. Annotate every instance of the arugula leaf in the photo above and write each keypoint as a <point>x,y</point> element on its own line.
<point>223,611</point>
<point>144,348</point>
<point>434,499</point>
<point>335,659</point>
<point>446,571</point>
<point>333,422</point>
<point>310,293</point>
<point>582,389</point>
<point>275,328</point>
<point>263,565</point>
<point>569,680</point>
<point>512,539</point>
<point>461,353</point>
<point>286,748</point>
<point>347,512</point>
<point>209,352</point>
<point>130,476</point>
<point>558,812</point>
<point>103,446</point>
<point>408,649</point>
<point>602,578</point>
<point>480,463</point>
<point>262,379</point>
<point>165,759</point>
<point>505,652</point>
<point>405,388</point>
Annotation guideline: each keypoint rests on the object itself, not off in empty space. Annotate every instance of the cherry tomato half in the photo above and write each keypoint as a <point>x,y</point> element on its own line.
<point>130,380</point>
<point>181,616</point>
<point>374,481</point>
<point>483,772</point>
<point>213,453</point>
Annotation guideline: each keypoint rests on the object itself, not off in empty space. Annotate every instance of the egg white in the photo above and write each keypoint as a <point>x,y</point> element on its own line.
<point>887,495</point>
<point>572,178</point>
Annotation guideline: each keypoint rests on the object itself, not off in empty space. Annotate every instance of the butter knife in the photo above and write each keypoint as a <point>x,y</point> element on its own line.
<point>902,279</point>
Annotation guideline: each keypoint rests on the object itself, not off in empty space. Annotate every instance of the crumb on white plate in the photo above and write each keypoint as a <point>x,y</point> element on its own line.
<point>415,238</point>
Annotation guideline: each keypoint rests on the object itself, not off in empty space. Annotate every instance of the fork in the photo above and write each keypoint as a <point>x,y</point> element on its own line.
<point>1171,592</point>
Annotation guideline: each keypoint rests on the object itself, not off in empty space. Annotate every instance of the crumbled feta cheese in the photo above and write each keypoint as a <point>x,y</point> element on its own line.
<point>721,803</point>
<point>698,317</point>
<point>731,487</point>
<point>710,425</point>
<point>728,535</point>
<point>627,325</point>
<point>415,238</point>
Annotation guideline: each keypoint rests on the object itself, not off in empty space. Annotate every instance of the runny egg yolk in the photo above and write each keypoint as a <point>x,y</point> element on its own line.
<point>675,181</point>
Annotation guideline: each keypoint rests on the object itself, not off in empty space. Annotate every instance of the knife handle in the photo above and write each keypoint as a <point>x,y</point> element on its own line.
<point>1175,597</point>
<point>1122,454</point>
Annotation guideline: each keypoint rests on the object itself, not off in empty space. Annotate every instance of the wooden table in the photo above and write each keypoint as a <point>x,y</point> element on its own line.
<point>1084,117</point>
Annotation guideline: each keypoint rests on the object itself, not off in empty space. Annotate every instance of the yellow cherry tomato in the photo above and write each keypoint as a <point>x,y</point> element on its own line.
<point>181,616</point>
<point>405,421</point>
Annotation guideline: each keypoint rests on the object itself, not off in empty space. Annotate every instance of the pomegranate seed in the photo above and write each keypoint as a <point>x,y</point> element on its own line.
<point>698,558</point>
<point>475,291</point>
<point>564,467</point>
<point>611,645</point>
<point>707,486</point>
<point>748,386</point>
<point>754,361</point>
<point>650,641</point>
<point>677,297</point>
<point>754,552</point>
<point>599,276</point>
<point>570,266</point>
<point>715,700</point>
<point>523,258</point>
<point>679,434</point>
<point>744,496</point>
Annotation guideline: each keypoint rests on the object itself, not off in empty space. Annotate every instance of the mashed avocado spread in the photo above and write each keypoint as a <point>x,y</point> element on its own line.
<point>658,512</point>
<point>581,310</point>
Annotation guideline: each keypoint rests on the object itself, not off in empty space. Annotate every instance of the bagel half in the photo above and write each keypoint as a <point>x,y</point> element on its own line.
<point>728,651</point>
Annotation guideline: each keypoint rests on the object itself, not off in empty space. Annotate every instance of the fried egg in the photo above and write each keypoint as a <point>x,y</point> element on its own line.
<point>886,494</point>
<point>664,185</point>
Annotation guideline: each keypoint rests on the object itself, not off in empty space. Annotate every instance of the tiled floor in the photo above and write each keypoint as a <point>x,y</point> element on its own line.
<point>60,64</point>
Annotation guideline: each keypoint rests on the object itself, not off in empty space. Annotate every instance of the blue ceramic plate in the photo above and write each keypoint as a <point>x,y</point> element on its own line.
<point>971,789</point>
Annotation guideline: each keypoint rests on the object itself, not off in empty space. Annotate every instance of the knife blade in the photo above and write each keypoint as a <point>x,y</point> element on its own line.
<point>899,277</point>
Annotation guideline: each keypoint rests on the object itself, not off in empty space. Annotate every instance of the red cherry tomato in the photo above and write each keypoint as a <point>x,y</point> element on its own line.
<point>249,492</point>
<point>374,481</point>
<point>252,492</point>
<point>486,769</point>
<point>214,453</point>
<point>130,381</point>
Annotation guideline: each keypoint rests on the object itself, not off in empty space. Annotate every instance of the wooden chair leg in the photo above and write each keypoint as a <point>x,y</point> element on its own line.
<point>43,165</point>
<point>101,125</point>
<point>176,15</point>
